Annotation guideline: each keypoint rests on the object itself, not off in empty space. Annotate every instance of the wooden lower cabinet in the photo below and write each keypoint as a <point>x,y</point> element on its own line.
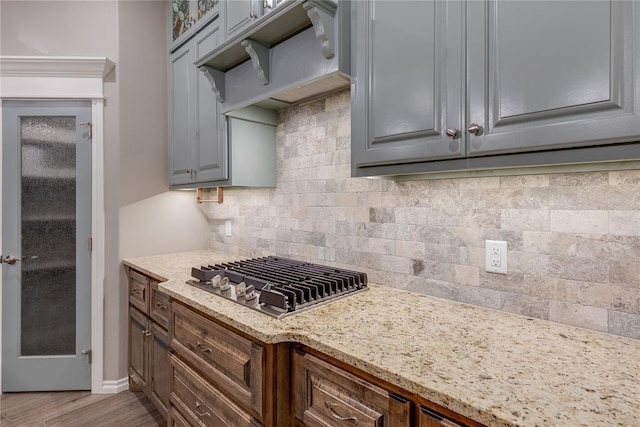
<point>159,386</point>
<point>325,395</point>
<point>175,419</point>
<point>429,418</point>
<point>201,403</point>
<point>148,346</point>
<point>138,348</point>
<point>201,372</point>
<point>233,363</point>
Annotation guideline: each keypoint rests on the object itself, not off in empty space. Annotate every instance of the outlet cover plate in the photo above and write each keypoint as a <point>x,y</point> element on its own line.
<point>496,256</point>
<point>227,228</point>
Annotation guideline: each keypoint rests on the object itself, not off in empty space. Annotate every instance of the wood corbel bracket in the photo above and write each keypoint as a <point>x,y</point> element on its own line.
<point>216,80</point>
<point>219,196</point>
<point>259,55</point>
<point>322,15</point>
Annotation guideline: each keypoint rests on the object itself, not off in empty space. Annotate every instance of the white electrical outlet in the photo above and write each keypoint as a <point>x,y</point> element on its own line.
<point>227,228</point>
<point>496,256</point>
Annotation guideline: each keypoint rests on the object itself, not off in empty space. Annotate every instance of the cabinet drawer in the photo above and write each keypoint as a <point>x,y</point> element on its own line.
<point>231,362</point>
<point>175,419</point>
<point>201,403</point>
<point>159,306</point>
<point>429,418</point>
<point>326,395</point>
<point>139,291</point>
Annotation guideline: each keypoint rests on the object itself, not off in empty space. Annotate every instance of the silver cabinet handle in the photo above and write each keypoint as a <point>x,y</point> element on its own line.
<point>162,307</point>
<point>252,15</point>
<point>474,129</point>
<point>202,348</point>
<point>199,411</point>
<point>146,333</point>
<point>9,259</point>
<point>452,132</point>
<point>333,413</point>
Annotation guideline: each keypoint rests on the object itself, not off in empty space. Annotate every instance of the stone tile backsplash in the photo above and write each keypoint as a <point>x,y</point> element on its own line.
<point>574,238</point>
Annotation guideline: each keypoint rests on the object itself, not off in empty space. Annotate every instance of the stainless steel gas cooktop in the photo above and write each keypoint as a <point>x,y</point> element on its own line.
<point>277,286</point>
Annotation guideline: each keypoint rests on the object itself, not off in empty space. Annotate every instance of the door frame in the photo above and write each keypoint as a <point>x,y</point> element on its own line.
<point>30,77</point>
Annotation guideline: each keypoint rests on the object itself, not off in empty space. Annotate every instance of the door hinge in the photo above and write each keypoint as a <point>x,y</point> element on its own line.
<point>90,243</point>
<point>89,355</point>
<point>90,129</point>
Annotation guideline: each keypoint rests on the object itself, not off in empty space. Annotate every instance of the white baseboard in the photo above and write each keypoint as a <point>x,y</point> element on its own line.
<point>114,386</point>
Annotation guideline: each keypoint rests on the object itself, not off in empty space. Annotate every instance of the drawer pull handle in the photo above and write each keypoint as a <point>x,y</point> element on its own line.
<point>137,291</point>
<point>202,348</point>
<point>162,307</point>
<point>337,416</point>
<point>200,413</point>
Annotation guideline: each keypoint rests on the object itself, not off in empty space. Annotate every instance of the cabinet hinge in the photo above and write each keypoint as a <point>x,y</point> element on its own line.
<point>90,243</point>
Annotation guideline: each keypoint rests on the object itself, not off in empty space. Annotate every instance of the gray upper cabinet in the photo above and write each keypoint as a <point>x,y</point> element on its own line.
<point>180,109</point>
<point>241,13</point>
<point>407,80</point>
<point>198,149</point>
<point>552,74</point>
<point>470,84</point>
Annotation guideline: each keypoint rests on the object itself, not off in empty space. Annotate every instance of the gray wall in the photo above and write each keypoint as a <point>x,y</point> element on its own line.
<point>61,28</point>
<point>574,238</point>
<point>133,35</point>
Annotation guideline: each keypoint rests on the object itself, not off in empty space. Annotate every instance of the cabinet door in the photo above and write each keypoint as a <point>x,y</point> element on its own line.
<point>181,72</point>
<point>552,74</point>
<point>138,350</point>
<point>210,136</point>
<point>407,81</point>
<point>239,14</point>
<point>159,369</point>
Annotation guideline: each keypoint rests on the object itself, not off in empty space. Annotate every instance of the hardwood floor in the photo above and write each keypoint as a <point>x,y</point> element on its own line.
<point>78,408</point>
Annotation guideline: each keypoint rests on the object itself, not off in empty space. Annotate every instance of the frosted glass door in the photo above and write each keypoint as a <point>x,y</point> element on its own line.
<point>46,227</point>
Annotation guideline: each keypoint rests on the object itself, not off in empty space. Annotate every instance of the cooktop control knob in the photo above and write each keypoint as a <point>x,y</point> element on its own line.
<point>240,289</point>
<point>224,284</point>
<point>250,293</point>
<point>215,281</point>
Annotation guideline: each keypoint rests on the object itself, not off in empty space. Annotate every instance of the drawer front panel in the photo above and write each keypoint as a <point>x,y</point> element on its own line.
<point>326,395</point>
<point>176,420</point>
<point>231,362</point>
<point>429,418</point>
<point>201,403</point>
<point>159,306</point>
<point>139,291</point>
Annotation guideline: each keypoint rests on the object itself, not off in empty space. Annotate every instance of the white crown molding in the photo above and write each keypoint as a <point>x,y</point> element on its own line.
<point>55,66</point>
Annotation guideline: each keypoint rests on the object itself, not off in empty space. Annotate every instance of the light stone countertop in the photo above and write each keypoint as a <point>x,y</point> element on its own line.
<point>494,367</point>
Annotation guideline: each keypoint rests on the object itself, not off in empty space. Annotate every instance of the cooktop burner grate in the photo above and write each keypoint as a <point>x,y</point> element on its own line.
<point>277,286</point>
